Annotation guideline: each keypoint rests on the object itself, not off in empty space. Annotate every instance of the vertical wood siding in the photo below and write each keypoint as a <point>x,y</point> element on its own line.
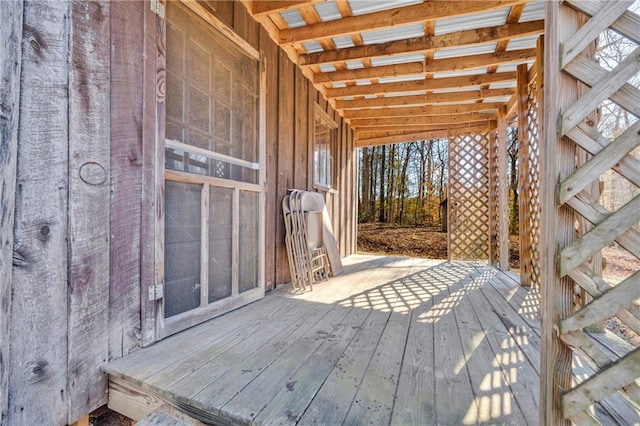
<point>37,368</point>
<point>10,52</point>
<point>87,172</point>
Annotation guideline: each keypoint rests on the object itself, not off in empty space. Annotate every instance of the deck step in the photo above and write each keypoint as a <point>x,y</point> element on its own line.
<point>166,415</point>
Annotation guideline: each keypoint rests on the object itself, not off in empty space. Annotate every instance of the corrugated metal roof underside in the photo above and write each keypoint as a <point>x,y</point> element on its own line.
<point>329,11</point>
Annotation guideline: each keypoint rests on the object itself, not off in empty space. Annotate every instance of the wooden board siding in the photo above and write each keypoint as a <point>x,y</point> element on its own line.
<point>37,367</point>
<point>126,177</point>
<point>83,167</point>
<point>88,209</point>
<point>11,52</point>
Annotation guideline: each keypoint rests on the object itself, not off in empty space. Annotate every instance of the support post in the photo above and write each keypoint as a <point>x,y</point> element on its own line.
<point>557,156</point>
<point>503,191</point>
<point>522,97</point>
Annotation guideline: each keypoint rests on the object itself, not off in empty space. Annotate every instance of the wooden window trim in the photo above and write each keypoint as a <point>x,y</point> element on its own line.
<point>206,310</point>
<point>318,112</point>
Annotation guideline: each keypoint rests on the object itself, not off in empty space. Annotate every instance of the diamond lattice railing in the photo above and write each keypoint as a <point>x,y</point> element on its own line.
<point>469,197</point>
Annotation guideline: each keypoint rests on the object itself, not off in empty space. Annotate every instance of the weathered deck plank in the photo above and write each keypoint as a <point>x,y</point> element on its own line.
<point>391,341</point>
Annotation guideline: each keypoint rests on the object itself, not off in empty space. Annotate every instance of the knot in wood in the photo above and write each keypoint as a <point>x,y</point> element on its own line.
<point>93,173</point>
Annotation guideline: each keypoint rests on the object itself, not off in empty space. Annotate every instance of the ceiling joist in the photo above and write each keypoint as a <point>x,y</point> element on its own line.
<point>422,12</point>
<point>425,67</point>
<point>425,99</point>
<point>268,7</point>
<point>418,85</point>
<point>367,138</point>
<point>422,121</point>
<point>424,44</point>
<point>421,110</point>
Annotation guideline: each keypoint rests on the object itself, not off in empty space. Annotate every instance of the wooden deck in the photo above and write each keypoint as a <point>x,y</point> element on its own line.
<point>391,341</point>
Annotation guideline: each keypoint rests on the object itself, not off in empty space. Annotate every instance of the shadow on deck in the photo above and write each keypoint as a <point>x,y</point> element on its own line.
<point>391,341</point>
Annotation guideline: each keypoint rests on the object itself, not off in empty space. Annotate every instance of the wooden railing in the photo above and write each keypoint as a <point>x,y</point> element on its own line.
<point>575,86</point>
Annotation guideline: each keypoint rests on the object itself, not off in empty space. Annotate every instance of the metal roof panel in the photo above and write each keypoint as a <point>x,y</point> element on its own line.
<point>472,22</point>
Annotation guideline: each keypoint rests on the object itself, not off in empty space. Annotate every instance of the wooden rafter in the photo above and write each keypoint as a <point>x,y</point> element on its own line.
<point>425,67</point>
<point>268,7</point>
<point>418,85</point>
<point>381,137</point>
<point>423,120</point>
<point>425,44</point>
<point>425,99</point>
<point>421,110</point>
<point>427,11</point>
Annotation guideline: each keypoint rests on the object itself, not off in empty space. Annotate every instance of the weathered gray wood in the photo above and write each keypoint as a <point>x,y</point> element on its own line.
<point>201,368</point>
<point>608,379</point>
<point>283,336</point>
<point>148,309</point>
<point>600,91</point>
<point>628,24</point>
<point>126,177</point>
<point>608,14</point>
<point>591,74</point>
<point>144,363</point>
<point>373,403</point>
<point>455,402</point>
<point>524,384</point>
<point>415,395</point>
<point>603,233</point>
<point>37,365</point>
<point>158,200</point>
<point>521,330</point>
<point>606,159</point>
<point>557,157</point>
<point>604,306</point>
<point>332,402</point>
<point>10,68</point>
<point>291,401</point>
<point>167,415</point>
<point>595,213</point>
<point>263,388</point>
<point>270,52</point>
<point>89,201</point>
<point>484,365</point>
<point>215,395</point>
<point>591,141</point>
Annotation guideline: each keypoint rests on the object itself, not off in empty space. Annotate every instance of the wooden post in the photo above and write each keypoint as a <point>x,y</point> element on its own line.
<point>493,177</point>
<point>557,157</point>
<point>37,367</point>
<point>522,95</point>
<point>89,201</point>
<point>503,191</point>
<point>10,67</point>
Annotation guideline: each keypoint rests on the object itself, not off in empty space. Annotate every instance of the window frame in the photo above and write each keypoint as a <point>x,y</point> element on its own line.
<point>208,310</point>
<point>328,121</point>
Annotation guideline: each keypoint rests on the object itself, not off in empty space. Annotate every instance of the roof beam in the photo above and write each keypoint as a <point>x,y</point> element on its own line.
<point>421,110</point>
<point>366,138</point>
<point>267,7</point>
<point>417,85</point>
<point>422,12</point>
<point>433,66</point>
<point>426,121</point>
<point>426,99</point>
<point>424,44</point>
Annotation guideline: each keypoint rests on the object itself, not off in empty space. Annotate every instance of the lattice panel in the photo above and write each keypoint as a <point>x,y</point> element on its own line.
<point>494,188</point>
<point>469,197</point>
<point>529,160</point>
<point>616,82</point>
